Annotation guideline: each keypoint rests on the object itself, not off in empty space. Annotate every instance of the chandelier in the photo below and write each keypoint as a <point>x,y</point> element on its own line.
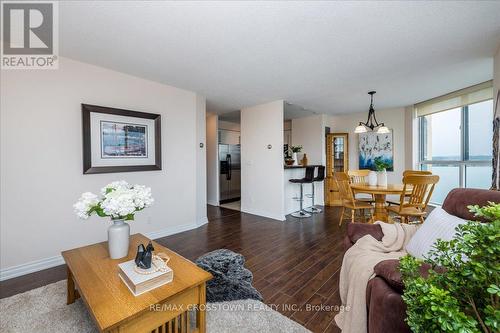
<point>371,122</point>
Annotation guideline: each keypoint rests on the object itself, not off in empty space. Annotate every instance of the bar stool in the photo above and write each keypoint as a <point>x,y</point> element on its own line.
<point>308,179</point>
<point>319,178</point>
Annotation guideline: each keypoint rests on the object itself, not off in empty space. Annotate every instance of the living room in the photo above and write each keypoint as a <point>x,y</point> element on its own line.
<point>365,132</point>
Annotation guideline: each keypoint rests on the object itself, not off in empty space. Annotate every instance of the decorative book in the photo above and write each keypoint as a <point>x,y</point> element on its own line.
<point>140,281</point>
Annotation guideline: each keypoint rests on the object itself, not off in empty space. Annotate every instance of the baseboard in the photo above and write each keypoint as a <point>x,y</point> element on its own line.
<point>264,214</point>
<point>30,267</point>
<point>38,265</point>
<point>212,203</point>
<point>202,221</point>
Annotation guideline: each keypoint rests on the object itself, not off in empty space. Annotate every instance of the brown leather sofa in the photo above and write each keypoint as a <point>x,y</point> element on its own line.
<point>386,309</point>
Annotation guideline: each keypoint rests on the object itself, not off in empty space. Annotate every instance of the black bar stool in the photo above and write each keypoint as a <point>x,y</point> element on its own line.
<point>308,179</point>
<point>319,178</point>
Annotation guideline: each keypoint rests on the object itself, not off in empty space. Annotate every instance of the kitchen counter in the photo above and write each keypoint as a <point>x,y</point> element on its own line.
<point>299,166</point>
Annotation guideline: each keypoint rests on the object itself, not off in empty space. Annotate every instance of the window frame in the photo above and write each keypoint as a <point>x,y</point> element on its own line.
<point>464,161</point>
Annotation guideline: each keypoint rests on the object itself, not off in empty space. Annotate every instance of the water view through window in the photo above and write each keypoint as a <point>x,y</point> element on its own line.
<point>456,145</point>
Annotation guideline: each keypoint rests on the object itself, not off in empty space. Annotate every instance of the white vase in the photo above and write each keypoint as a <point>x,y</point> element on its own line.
<point>118,239</point>
<point>372,178</point>
<point>295,159</point>
<point>382,178</point>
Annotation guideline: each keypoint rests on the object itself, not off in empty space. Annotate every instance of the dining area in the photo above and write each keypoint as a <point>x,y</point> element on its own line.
<point>358,196</point>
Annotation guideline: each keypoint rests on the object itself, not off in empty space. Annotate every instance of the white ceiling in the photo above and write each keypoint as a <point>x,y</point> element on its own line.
<point>324,56</point>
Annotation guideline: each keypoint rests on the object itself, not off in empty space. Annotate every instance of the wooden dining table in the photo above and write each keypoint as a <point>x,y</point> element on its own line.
<point>380,193</point>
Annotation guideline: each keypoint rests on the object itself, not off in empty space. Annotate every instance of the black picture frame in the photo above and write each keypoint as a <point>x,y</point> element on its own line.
<point>87,109</point>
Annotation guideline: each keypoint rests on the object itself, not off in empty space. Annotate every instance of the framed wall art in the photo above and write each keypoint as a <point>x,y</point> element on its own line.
<point>117,140</point>
<point>373,145</point>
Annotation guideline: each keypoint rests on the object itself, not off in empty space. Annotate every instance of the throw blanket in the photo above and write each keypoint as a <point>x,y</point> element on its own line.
<point>357,270</point>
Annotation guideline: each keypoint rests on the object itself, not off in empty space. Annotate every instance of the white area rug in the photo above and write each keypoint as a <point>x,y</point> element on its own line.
<point>45,310</point>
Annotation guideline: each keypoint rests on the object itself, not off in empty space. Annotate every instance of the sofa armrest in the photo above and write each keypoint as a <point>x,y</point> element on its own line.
<point>357,230</point>
<point>389,271</point>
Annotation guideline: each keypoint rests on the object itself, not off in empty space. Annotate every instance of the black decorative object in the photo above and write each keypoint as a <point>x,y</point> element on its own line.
<point>231,280</point>
<point>371,122</point>
<point>144,256</point>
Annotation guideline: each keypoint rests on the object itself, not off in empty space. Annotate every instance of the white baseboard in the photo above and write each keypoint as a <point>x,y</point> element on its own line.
<point>202,221</point>
<point>38,265</point>
<point>30,267</point>
<point>264,214</point>
<point>212,203</point>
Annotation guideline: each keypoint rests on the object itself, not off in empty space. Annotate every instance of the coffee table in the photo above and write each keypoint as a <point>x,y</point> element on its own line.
<point>93,276</point>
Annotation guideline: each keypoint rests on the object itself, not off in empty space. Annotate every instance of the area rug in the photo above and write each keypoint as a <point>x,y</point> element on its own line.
<point>231,280</point>
<point>44,310</point>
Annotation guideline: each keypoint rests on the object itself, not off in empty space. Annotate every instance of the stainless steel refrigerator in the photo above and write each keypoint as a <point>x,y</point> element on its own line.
<point>229,173</point>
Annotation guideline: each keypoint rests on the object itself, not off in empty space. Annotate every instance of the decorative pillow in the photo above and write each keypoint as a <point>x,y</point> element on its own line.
<point>438,225</point>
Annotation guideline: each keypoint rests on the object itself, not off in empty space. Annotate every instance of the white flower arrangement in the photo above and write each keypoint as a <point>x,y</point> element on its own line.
<point>119,200</point>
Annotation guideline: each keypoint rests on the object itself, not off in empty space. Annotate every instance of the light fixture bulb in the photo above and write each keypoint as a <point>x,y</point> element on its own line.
<point>383,130</point>
<point>360,129</point>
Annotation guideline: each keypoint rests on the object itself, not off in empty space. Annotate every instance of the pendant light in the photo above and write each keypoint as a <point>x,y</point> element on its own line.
<point>371,122</point>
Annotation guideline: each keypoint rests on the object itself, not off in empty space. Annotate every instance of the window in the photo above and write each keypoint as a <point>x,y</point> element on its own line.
<point>456,145</point>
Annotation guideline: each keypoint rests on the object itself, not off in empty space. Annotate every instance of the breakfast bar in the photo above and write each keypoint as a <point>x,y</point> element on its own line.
<point>292,191</point>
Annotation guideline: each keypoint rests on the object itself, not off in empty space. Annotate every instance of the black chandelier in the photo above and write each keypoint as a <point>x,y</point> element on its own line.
<point>371,122</point>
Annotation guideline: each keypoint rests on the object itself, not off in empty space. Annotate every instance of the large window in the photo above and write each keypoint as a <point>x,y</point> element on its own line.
<point>457,145</point>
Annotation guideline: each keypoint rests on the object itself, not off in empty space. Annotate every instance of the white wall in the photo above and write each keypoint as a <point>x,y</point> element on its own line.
<point>393,118</point>
<point>308,132</point>
<point>212,160</point>
<point>201,160</point>
<point>262,168</point>
<point>229,125</point>
<point>41,160</point>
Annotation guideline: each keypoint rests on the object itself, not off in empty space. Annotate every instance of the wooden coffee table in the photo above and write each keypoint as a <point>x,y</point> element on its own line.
<point>94,276</point>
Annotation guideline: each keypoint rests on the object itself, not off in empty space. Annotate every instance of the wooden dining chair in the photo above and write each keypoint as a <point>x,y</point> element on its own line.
<point>415,202</point>
<point>359,177</point>
<point>407,173</point>
<point>347,197</point>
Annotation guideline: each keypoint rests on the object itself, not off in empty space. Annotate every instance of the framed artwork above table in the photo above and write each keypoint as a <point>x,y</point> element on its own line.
<point>118,140</point>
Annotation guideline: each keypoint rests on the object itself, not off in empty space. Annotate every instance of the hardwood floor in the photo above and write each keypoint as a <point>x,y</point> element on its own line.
<point>296,263</point>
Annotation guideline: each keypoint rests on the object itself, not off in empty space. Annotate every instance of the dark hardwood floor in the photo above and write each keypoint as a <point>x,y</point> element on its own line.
<point>296,263</point>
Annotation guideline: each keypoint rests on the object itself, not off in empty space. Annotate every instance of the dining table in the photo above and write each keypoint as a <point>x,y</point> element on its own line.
<point>380,193</point>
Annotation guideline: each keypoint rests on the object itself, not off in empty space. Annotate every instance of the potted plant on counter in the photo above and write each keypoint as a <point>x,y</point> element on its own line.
<point>295,150</point>
<point>120,201</point>
<point>381,167</point>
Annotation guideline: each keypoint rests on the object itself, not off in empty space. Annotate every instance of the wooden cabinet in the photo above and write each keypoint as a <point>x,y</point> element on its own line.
<point>337,160</point>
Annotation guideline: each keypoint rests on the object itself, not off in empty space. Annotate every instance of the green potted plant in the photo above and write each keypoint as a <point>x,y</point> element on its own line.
<point>381,168</point>
<point>461,292</point>
<point>295,150</point>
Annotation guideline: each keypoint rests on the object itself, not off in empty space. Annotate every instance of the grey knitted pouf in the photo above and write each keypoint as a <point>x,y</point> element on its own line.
<point>231,280</point>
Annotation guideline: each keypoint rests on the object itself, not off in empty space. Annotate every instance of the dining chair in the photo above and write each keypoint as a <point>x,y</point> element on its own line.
<point>359,177</point>
<point>415,202</point>
<point>407,173</point>
<point>348,199</point>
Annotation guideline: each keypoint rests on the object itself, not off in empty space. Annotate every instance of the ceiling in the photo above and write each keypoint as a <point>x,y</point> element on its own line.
<point>324,56</point>
<point>290,111</point>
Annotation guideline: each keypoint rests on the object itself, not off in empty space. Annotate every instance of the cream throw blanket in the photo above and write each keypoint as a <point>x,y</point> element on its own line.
<point>357,270</point>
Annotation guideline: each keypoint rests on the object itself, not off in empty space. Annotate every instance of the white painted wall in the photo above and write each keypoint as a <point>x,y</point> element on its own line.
<point>41,160</point>
<point>393,118</point>
<point>262,168</point>
<point>212,160</point>
<point>201,160</point>
<point>229,125</point>
<point>308,132</point>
